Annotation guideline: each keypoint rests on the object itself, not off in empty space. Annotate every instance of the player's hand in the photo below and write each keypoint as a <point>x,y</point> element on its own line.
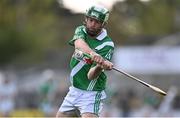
<point>97,58</point>
<point>107,65</point>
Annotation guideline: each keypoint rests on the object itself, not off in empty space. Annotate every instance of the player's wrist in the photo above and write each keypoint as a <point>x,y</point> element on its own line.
<point>92,53</point>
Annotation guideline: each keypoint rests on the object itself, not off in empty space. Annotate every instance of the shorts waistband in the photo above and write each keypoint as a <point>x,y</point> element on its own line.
<point>80,90</point>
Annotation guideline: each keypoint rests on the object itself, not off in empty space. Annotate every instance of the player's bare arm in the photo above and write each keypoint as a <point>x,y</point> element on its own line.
<point>82,45</point>
<point>96,71</point>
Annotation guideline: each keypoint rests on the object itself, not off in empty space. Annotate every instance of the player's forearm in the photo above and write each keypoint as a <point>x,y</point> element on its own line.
<point>82,45</point>
<point>94,72</point>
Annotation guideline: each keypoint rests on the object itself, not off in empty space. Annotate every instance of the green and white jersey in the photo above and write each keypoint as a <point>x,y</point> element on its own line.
<point>102,45</point>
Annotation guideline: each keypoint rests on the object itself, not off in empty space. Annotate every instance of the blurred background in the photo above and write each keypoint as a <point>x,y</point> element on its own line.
<point>35,55</point>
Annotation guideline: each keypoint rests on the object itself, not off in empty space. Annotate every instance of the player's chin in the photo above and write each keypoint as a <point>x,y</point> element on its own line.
<point>92,33</point>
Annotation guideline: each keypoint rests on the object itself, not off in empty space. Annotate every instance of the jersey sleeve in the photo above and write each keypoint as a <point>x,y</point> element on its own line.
<point>79,34</point>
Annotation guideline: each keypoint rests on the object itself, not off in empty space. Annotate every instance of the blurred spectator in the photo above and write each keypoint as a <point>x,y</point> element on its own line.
<point>7,95</point>
<point>46,90</point>
<point>111,108</point>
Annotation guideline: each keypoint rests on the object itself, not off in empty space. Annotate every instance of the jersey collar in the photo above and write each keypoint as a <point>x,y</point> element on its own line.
<point>101,36</point>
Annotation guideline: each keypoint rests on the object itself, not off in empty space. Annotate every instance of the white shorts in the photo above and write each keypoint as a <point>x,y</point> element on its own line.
<point>84,101</point>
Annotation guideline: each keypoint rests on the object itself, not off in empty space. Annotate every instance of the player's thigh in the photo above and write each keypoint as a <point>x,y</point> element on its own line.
<point>89,115</point>
<point>72,113</point>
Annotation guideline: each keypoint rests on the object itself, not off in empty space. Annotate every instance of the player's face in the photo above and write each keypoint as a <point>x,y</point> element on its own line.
<point>93,26</point>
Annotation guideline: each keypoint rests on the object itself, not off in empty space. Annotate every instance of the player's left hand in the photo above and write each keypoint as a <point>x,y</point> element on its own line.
<point>97,58</point>
<point>107,65</point>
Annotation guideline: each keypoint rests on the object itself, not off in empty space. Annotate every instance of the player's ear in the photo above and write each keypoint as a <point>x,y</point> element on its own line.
<point>85,21</point>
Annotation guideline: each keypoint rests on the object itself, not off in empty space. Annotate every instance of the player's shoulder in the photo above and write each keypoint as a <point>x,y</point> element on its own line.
<point>108,42</point>
<point>108,39</point>
<point>80,28</point>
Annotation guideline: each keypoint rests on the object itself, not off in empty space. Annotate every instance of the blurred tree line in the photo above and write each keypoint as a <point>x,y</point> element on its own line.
<point>31,30</point>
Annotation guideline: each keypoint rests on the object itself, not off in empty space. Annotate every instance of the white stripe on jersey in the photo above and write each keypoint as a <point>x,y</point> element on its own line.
<point>91,85</point>
<point>77,68</point>
<point>108,43</point>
